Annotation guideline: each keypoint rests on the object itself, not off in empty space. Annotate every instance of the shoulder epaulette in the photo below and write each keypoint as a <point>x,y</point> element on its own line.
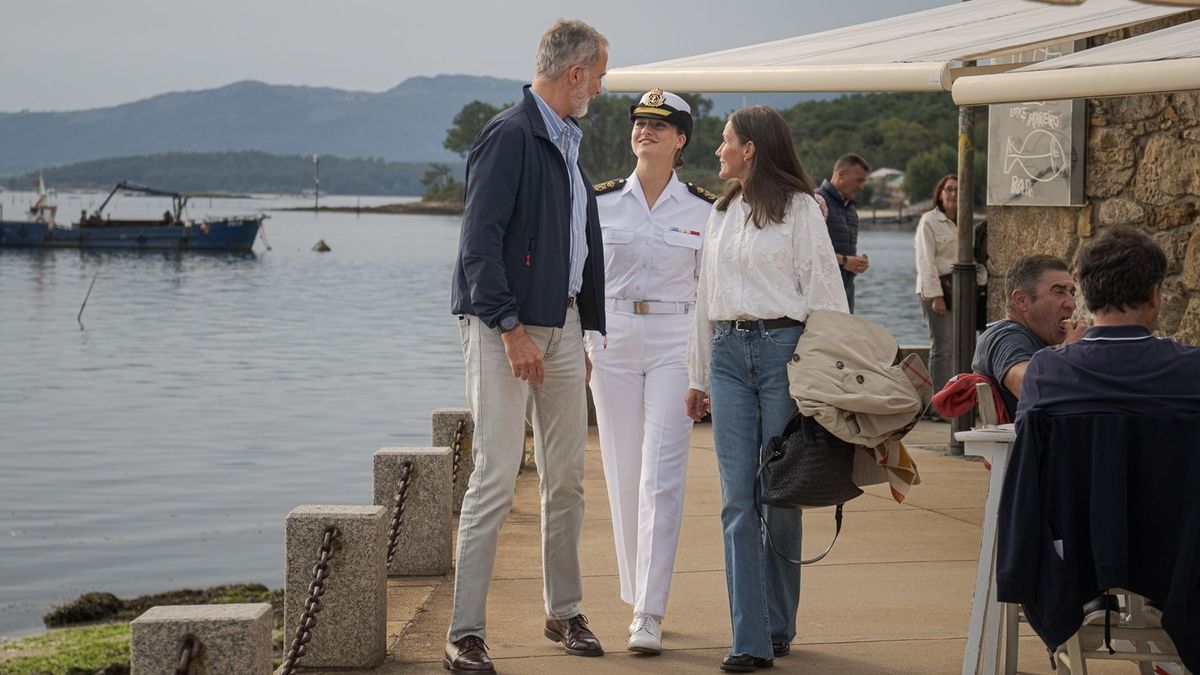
<point>702,193</point>
<point>608,186</point>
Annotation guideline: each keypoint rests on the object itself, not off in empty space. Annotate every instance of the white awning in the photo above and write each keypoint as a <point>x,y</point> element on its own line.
<point>1162,61</point>
<point>922,51</point>
<point>1179,3</point>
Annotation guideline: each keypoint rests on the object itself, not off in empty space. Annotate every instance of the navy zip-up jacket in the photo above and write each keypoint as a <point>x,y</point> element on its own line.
<point>514,249</point>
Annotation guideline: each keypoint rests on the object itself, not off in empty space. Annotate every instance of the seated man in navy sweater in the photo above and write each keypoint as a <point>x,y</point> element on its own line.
<point>1118,366</point>
<point>1105,462</point>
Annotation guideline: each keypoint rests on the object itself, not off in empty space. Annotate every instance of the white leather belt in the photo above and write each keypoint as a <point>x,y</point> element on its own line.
<point>648,306</point>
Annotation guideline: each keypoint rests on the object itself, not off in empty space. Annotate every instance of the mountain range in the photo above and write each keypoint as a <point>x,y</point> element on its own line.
<point>404,124</point>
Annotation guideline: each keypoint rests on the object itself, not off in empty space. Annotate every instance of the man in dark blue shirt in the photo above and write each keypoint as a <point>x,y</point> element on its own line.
<point>849,176</point>
<point>1104,467</point>
<point>1040,302</point>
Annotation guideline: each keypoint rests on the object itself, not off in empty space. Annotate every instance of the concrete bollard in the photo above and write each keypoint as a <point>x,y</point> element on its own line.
<point>423,546</point>
<point>233,639</point>
<point>350,630</point>
<point>445,423</point>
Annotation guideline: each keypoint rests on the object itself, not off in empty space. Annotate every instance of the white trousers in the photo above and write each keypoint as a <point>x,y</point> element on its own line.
<point>638,384</point>
<point>498,402</point>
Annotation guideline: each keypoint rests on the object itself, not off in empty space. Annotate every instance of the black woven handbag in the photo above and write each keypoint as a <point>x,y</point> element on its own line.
<point>808,467</point>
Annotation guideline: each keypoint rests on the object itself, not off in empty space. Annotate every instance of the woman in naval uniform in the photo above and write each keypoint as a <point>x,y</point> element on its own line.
<point>653,226</point>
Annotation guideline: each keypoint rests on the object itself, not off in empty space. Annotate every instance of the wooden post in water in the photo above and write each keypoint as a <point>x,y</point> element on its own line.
<point>317,183</point>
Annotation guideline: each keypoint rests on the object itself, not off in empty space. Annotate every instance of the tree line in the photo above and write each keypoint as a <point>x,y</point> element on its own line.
<point>914,132</point>
<point>238,172</point>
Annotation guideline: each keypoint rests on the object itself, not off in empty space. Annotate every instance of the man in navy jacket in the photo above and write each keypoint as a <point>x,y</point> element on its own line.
<point>1101,490</point>
<point>849,175</point>
<point>528,281</point>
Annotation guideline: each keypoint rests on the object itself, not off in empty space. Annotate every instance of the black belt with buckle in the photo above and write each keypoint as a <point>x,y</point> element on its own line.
<point>763,324</point>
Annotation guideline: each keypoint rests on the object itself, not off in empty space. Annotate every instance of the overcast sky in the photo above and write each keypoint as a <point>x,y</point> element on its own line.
<point>76,54</point>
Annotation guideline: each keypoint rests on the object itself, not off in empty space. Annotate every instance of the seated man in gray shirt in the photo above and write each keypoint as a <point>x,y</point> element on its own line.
<point>1040,300</point>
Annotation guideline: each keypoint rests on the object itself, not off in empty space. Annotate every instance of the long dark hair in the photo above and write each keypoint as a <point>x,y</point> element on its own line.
<point>775,171</point>
<point>937,190</point>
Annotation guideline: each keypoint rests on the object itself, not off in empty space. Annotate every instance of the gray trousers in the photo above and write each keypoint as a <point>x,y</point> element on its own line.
<point>941,335</point>
<point>498,401</point>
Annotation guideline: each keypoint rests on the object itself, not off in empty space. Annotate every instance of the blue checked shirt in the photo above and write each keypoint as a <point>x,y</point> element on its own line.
<point>567,136</point>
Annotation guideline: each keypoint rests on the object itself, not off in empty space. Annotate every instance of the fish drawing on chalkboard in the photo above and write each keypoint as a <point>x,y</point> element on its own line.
<point>1041,156</point>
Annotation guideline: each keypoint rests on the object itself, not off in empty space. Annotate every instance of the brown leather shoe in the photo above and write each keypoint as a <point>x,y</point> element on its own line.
<point>467,655</point>
<point>574,635</point>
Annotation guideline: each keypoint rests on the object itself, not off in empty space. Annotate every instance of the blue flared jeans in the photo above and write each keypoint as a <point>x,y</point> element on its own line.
<point>751,404</point>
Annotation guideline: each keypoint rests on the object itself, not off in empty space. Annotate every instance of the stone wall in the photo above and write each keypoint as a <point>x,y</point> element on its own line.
<point>1143,171</point>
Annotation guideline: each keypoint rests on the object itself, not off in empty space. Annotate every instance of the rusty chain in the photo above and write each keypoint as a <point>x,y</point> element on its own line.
<point>316,589</point>
<point>406,474</point>
<point>188,650</point>
<point>456,446</point>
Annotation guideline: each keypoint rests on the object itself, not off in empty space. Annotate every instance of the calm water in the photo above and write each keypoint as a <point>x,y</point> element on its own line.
<point>162,445</point>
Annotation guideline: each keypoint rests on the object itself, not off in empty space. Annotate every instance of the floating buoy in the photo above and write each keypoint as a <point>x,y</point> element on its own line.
<point>321,246</point>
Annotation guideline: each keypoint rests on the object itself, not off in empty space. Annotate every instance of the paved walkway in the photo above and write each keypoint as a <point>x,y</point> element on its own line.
<point>894,596</point>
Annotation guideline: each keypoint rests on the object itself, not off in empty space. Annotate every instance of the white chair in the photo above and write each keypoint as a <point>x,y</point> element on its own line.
<point>985,411</point>
<point>1131,639</point>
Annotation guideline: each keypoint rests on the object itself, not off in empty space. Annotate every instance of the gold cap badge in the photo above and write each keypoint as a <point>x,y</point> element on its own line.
<point>654,97</point>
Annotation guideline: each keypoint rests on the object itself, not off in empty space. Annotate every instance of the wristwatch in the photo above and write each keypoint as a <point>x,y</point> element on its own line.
<point>509,323</point>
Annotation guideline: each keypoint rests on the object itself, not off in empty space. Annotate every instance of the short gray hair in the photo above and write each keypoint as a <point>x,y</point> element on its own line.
<point>1025,274</point>
<point>569,42</point>
<point>850,159</point>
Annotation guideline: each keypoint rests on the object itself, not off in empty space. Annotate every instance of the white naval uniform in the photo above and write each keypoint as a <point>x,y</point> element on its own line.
<point>639,375</point>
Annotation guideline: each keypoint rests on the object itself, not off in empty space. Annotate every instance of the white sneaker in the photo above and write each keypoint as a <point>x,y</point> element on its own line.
<point>645,635</point>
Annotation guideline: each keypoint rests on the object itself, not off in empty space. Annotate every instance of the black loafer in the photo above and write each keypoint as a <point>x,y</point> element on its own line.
<point>744,663</point>
<point>781,648</point>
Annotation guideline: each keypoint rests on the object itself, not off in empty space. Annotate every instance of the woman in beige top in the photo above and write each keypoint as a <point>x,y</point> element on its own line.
<point>936,245</point>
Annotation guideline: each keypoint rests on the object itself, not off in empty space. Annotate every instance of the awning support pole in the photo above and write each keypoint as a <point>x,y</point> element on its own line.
<point>964,269</point>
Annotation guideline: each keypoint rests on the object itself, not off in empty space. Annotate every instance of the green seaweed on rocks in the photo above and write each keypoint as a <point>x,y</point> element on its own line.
<point>87,650</point>
<point>102,648</point>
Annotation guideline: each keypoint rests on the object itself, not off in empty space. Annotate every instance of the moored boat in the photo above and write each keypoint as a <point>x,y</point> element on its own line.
<point>173,231</point>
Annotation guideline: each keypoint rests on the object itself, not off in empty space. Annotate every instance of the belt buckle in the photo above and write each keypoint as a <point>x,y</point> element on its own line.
<point>641,307</point>
<point>744,324</point>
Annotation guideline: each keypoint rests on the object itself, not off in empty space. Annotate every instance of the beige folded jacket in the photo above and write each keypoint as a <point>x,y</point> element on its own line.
<point>845,374</point>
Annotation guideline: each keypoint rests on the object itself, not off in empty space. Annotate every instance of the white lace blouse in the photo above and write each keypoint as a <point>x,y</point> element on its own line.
<point>786,269</point>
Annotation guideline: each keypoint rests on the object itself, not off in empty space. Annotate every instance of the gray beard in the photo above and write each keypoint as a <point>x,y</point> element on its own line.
<point>579,102</point>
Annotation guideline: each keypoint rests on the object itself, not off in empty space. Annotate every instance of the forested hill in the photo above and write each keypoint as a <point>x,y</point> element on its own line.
<point>239,172</point>
<point>914,132</point>
<point>404,124</point>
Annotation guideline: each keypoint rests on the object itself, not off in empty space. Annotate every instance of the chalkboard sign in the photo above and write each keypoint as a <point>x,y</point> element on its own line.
<point>1036,148</point>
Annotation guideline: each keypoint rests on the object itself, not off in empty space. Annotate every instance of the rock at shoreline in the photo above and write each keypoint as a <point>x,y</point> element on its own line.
<point>96,607</point>
<point>87,608</point>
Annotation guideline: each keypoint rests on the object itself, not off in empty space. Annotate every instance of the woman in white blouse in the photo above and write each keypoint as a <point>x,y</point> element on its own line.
<point>767,262</point>
<point>936,246</point>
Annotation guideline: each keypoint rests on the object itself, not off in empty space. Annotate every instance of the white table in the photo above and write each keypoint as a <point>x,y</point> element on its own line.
<point>984,634</point>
